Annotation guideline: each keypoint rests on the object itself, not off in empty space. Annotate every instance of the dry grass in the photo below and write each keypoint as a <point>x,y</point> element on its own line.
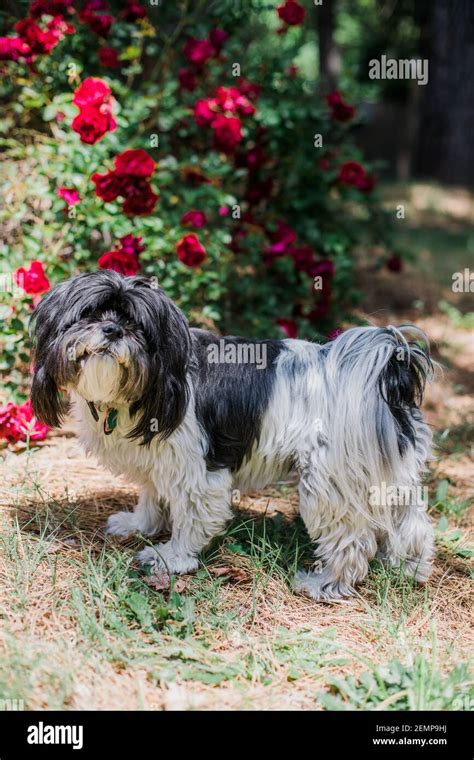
<point>83,629</point>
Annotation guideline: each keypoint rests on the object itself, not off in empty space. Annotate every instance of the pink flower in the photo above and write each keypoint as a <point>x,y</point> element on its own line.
<point>190,251</point>
<point>92,92</point>
<point>13,48</point>
<point>223,211</point>
<point>194,219</point>
<point>70,195</point>
<point>288,326</point>
<point>18,423</point>
<point>133,12</point>
<point>203,114</point>
<point>283,237</point>
<point>33,280</point>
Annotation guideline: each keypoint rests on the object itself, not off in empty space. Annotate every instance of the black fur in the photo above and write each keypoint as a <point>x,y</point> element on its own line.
<point>231,399</point>
<point>402,384</point>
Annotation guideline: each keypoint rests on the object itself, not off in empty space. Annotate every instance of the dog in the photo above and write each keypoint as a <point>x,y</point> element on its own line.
<point>161,403</point>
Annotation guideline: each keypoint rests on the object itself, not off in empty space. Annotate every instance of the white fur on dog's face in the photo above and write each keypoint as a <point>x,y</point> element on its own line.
<point>99,379</point>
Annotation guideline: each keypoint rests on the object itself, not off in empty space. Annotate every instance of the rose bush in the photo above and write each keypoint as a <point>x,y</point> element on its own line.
<point>197,149</point>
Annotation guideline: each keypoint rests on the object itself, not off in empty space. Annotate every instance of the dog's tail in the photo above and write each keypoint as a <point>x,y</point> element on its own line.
<point>376,379</point>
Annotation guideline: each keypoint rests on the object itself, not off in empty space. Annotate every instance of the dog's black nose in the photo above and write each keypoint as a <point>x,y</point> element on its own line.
<point>112,331</point>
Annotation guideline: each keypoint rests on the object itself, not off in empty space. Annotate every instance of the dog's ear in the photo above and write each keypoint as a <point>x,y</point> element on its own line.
<point>46,401</point>
<point>165,398</point>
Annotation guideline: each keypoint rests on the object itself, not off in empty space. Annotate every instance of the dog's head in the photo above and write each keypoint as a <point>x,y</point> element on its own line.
<point>114,340</point>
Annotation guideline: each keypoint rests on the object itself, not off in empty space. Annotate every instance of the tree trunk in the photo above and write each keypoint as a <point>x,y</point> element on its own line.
<point>329,58</point>
<point>446,134</point>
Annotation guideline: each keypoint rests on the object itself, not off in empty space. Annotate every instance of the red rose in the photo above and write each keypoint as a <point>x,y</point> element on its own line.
<point>133,12</point>
<point>136,163</point>
<point>119,261</point>
<point>394,263</point>
<point>108,57</point>
<point>99,23</point>
<point>203,113</point>
<point>13,48</point>
<point>198,51</point>
<point>18,423</point>
<point>108,186</point>
<point>291,12</point>
<point>340,111</point>
<point>38,40</point>
<point>289,326</point>
<point>51,8</point>
<point>249,89</point>
<point>217,38</point>
<point>70,195</point>
<point>140,200</point>
<point>33,280</point>
<point>187,80</point>
<point>131,245</point>
<point>190,251</point>
<point>350,173</point>
<point>194,218</point>
<point>227,133</point>
<point>92,92</point>
<point>91,124</point>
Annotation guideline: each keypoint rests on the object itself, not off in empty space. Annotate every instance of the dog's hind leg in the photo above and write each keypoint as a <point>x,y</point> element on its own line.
<point>411,544</point>
<point>150,516</point>
<point>345,545</point>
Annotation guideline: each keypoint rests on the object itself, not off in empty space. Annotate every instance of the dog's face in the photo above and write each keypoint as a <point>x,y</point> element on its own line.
<point>114,340</point>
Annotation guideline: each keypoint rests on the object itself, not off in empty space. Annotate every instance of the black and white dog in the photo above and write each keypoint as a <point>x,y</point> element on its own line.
<point>162,404</point>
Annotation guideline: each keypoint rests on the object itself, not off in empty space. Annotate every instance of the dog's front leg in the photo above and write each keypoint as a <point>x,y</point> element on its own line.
<point>151,516</point>
<point>198,514</point>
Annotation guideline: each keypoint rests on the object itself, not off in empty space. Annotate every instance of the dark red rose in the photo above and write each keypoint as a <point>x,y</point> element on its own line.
<point>350,173</point>
<point>92,92</point>
<point>119,261</point>
<point>227,133</point>
<point>131,245</point>
<point>140,200</point>
<point>13,48</point>
<point>91,124</point>
<point>133,12</point>
<point>217,38</point>
<point>33,280</point>
<point>194,218</point>
<point>394,263</point>
<point>99,23</point>
<point>303,258</point>
<point>255,158</point>
<point>288,326</point>
<point>70,195</point>
<point>108,186</point>
<point>257,191</point>
<point>51,8</point>
<point>366,183</point>
<point>108,57</point>
<point>340,111</point>
<point>187,80</point>
<point>291,12</point>
<point>249,89</point>
<point>190,251</point>
<point>198,51</point>
<point>136,163</point>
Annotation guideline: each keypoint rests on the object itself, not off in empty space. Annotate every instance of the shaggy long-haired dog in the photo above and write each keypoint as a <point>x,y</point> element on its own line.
<point>189,417</point>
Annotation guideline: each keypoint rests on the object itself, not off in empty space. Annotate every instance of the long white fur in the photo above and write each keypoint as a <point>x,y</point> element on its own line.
<point>321,420</point>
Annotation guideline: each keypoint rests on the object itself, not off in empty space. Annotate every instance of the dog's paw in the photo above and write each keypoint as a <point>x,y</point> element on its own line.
<point>121,524</point>
<point>318,587</point>
<point>165,557</point>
